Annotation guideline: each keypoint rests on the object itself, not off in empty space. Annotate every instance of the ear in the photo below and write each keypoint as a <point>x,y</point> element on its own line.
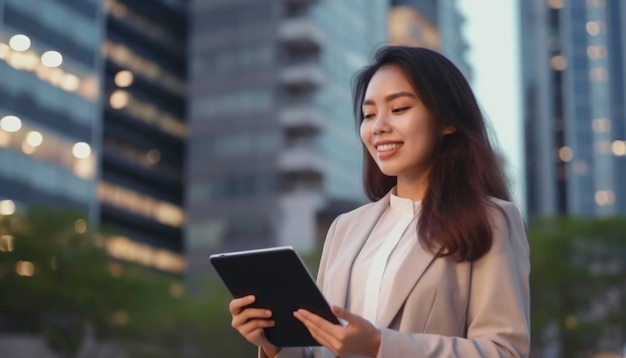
<point>448,130</point>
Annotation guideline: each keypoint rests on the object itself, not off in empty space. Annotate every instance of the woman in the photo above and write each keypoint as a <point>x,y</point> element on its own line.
<point>438,264</point>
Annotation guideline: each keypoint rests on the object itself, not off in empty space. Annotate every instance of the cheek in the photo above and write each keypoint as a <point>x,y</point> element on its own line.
<point>423,135</point>
<point>365,133</point>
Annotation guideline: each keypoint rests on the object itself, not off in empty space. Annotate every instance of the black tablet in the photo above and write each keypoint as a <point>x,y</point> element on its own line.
<point>281,283</point>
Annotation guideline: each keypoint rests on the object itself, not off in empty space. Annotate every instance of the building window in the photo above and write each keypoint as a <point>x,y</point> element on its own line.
<point>594,28</point>
<point>206,234</point>
<point>44,177</point>
<point>146,158</point>
<point>243,185</point>
<point>145,25</point>
<point>605,197</point>
<point>44,146</point>
<point>555,4</point>
<point>597,3</point>
<point>601,125</point>
<point>148,113</point>
<point>232,103</point>
<point>54,14</point>
<point>23,58</point>
<point>596,52</point>
<point>566,154</point>
<point>619,148</point>
<point>603,147</point>
<point>580,167</point>
<point>558,63</point>
<point>127,58</point>
<point>599,74</point>
<point>141,204</point>
<point>123,248</point>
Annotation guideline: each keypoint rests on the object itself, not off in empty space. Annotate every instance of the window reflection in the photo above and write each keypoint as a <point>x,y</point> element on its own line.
<point>31,61</point>
<point>44,177</point>
<point>58,17</point>
<point>599,74</point>
<point>126,102</point>
<point>141,204</point>
<point>146,26</point>
<point>127,58</point>
<point>148,159</point>
<point>44,146</point>
<point>121,247</point>
<point>239,102</point>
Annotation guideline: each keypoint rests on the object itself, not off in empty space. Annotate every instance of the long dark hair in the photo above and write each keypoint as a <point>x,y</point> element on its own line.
<point>465,169</point>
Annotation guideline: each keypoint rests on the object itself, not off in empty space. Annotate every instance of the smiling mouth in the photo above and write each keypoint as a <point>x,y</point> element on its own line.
<point>388,147</point>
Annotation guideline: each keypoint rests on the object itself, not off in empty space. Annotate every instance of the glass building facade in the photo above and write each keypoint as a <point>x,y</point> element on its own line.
<point>49,103</point>
<point>272,141</point>
<point>573,74</point>
<point>92,117</point>
<point>352,29</point>
<point>434,24</point>
<point>144,131</point>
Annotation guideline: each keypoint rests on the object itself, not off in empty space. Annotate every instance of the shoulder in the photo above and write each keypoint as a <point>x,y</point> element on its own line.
<point>504,206</point>
<point>499,210</point>
<point>350,220</point>
<point>354,214</point>
<point>507,224</point>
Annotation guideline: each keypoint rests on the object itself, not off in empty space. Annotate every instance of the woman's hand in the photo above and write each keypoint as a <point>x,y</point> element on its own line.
<point>250,322</point>
<point>358,337</point>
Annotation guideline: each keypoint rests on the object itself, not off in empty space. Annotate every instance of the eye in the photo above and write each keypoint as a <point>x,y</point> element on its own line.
<point>400,110</point>
<point>368,116</point>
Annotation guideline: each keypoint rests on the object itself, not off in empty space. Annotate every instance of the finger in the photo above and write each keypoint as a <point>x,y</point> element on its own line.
<point>257,337</point>
<point>237,304</point>
<point>318,321</point>
<point>248,314</point>
<point>345,315</point>
<point>247,328</point>
<point>324,342</point>
<point>324,330</point>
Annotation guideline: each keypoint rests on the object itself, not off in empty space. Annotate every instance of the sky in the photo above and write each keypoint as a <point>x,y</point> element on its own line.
<point>492,31</point>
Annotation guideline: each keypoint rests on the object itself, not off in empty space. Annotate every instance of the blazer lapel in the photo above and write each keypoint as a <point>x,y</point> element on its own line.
<point>409,273</point>
<point>358,231</point>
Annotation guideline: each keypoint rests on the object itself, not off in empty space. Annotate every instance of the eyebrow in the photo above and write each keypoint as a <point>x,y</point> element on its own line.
<point>391,97</point>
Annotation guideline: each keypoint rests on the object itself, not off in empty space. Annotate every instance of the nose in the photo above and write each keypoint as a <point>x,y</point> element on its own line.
<point>380,125</point>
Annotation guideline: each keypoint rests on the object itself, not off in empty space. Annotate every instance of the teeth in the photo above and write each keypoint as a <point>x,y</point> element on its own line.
<point>388,147</point>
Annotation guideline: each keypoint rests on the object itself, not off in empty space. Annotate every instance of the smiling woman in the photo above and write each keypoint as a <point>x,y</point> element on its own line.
<point>438,264</point>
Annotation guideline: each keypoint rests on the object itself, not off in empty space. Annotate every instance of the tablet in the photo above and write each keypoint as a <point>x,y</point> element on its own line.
<point>281,283</point>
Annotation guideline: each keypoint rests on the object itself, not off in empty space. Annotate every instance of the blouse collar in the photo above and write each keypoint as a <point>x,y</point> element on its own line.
<point>404,205</point>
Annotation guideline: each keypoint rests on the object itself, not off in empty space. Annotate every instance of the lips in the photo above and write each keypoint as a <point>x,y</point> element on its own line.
<point>385,150</point>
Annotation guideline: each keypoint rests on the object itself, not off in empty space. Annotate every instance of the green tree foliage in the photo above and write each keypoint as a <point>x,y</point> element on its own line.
<point>578,268</point>
<point>57,281</point>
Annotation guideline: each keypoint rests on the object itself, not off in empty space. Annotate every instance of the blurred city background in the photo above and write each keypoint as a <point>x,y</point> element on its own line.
<point>137,137</point>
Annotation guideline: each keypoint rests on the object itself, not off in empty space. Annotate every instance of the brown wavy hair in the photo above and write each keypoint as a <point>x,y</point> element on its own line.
<point>465,169</point>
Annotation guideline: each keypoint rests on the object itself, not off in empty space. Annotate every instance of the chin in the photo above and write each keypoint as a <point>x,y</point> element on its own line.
<point>389,171</point>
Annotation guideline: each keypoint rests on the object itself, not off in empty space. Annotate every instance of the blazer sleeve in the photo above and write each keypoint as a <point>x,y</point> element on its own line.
<point>498,316</point>
<point>308,352</point>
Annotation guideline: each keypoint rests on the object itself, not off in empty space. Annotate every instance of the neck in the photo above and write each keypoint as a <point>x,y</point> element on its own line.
<point>413,188</point>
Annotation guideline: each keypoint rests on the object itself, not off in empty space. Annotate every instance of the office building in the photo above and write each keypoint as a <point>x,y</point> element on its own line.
<point>434,24</point>
<point>573,75</point>
<point>272,140</point>
<point>50,104</point>
<point>144,131</point>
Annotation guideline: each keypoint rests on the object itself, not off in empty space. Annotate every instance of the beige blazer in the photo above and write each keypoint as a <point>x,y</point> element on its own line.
<point>439,308</point>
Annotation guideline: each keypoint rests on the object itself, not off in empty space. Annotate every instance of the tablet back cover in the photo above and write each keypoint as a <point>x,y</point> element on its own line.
<point>280,283</point>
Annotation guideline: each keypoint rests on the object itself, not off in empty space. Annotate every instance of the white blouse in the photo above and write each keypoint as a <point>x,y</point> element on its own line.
<point>381,256</point>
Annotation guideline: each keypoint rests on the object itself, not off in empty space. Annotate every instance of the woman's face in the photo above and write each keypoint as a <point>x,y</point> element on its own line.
<point>397,129</point>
